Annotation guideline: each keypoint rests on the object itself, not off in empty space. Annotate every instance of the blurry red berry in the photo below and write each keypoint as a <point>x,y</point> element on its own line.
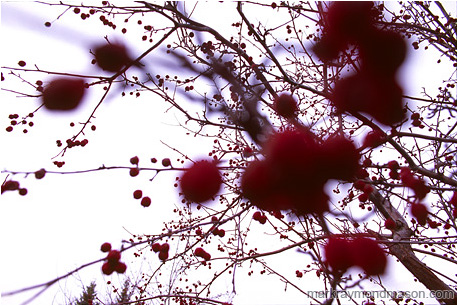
<point>368,255</point>
<point>111,57</point>
<point>108,268</point>
<point>338,254</point>
<point>22,191</point>
<point>120,267</point>
<point>113,256</point>
<point>201,181</point>
<point>420,212</point>
<point>374,138</point>
<point>63,94</point>
<point>390,224</point>
<point>285,105</point>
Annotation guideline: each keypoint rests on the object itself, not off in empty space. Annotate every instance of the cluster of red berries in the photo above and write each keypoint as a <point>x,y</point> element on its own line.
<point>343,253</point>
<point>285,105</point>
<point>374,89</point>
<point>112,261</point>
<point>260,217</point>
<point>163,250</point>
<point>76,143</point>
<point>145,201</point>
<point>418,185</point>
<point>299,274</point>
<point>207,47</point>
<point>63,94</point>
<point>366,188</point>
<point>201,182</point>
<point>218,232</point>
<point>59,164</point>
<point>296,167</point>
<point>12,186</point>
<point>200,252</point>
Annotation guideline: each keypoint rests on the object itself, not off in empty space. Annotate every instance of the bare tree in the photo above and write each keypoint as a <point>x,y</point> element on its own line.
<point>316,144</point>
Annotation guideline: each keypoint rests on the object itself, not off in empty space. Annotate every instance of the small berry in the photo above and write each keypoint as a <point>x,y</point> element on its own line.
<point>134,160</point>
<point>105,247</point>
<point>390,224</point>
<point>146,201</point>
<point>21,63</point>
<point>134,172</point>
<point>156,247</point>
<point>166,162</point>
<point>39,174</point>
<point>138,194</point>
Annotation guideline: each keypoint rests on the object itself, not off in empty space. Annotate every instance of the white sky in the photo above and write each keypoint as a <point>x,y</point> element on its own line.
<point>63,220</point>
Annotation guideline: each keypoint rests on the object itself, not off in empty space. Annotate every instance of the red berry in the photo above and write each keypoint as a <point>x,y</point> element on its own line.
<point>163,255</point>
<point>165,247</point>
<point>134,160</point>
<point>63,94</point>
<point>338,254</point>
<point>21,63</point>
<point>22,191</point>
<point>105,247</point>
<point>383,52</point>
<point>134,172</point>
<point>39,174</point>
<point>113,256</point>
<point>453,199</point>
<point>107,268</point>
<point>138,194</point>
<point>247,152</point>
<point>415,116</point>
<point>374,138</point>
<point>156,247</point>
<point>221,233</point>
<point>9,186</point>
<point>257,215</point>
<point>420,212</point>
<point>111,57</point>
<point>120,267</point>
<point>393,165</point>
<point>166,162</point>
<point>339,158</point>
<point>146,201</point>
<point>368,255</point>
<point>390,224</point>
<point>285,105</point>
<point>201,182</point>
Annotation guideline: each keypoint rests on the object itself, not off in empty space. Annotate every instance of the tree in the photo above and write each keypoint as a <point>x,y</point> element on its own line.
<point>88,296</point>
<point>312,142</point>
